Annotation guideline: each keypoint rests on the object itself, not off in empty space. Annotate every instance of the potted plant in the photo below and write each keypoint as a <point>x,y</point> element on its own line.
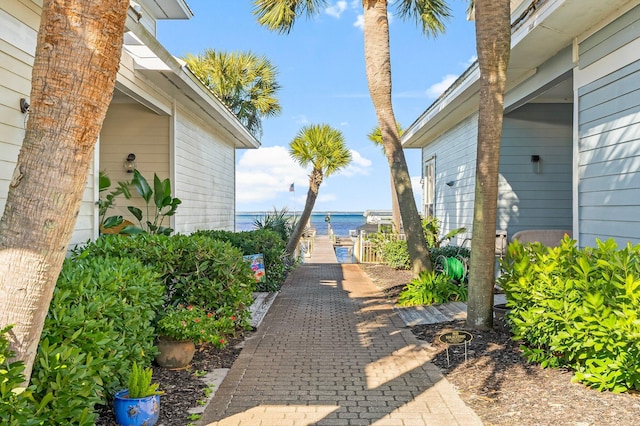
<point>139,404</point>
<point>181,327</point>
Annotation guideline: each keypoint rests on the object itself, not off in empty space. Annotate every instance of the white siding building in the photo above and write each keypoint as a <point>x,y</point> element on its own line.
<point>160,112</point>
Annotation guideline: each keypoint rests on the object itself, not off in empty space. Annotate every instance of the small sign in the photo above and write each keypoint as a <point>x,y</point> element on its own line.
<point>257,266</point>
<point>456,337</point>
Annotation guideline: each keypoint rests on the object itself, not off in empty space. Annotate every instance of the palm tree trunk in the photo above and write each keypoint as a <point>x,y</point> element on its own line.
<point>378,66</point>
<point>76,62</point>
<point>493,39</point>
<point>315,179</point>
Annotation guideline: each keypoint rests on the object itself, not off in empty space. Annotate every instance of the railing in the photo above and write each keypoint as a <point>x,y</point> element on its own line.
<point>307,244</point>
<point>364,251</point>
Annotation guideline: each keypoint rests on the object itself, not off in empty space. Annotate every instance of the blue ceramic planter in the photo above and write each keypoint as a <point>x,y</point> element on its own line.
<point>136,411</point>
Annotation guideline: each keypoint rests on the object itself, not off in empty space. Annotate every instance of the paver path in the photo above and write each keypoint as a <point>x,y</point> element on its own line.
<point>331,351</point>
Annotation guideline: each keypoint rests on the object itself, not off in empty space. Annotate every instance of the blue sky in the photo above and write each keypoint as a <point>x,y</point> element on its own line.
<point>322,74</point>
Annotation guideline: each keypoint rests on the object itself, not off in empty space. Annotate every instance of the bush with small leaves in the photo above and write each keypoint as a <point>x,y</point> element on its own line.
<point>578,309</point>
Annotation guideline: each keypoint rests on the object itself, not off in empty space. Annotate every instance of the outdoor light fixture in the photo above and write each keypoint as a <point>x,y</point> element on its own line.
<point>24,106</point>
<point>130,163</point>
<point>536,164</point>
<point>451,183</point>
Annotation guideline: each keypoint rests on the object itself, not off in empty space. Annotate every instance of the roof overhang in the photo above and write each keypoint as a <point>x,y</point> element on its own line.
<point>540,29</point>
<point>167,9</point>
<point>171,75</point>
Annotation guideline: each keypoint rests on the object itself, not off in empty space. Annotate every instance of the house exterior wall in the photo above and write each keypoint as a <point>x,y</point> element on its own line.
<point>530,200</point>
<point>204,176</point>
<point>19,23</point>
<point>608,131</point>
<point>455,160</point>
<point>132,128</point>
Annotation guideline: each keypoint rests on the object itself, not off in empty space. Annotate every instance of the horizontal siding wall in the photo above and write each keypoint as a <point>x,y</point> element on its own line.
<point>609,157</point>
<point>622,31</point>
<point>205,176</point>
<point>132,128</point>
<point>455,154</point>
<point>529,200</point>
<point>19,23</point>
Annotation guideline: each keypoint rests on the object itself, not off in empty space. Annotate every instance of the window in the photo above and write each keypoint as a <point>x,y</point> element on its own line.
<point>429,185</point>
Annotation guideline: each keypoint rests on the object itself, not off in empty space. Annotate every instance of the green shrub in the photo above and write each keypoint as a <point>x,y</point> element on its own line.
<point>17,405</point>
<point>98,323</point>
<point>396,254</point>
<point>265,241</point>
<point>450,251</point>
<point>431,288</point>
<point>196,269</point>
<point>577,308</point>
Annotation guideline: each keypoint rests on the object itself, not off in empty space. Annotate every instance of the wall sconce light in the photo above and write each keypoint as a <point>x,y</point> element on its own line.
<point>24,106</point>
<point>536,164</point>
<point>451,183</point>
<point>130,163</point>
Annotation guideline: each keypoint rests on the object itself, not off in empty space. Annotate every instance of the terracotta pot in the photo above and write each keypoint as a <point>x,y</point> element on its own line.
<point>500,312</point>
<point>174,353</point>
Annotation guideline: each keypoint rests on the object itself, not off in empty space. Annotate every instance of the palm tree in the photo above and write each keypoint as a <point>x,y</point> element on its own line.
<point>493,41</point>
<point>244,82</point>
<point>322,147</point>
<point>73,78</point>
<point>280,15</point>
<point>375,136</point>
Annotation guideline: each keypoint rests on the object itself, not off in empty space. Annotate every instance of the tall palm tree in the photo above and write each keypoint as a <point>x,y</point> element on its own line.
<point>73,78</point>
<point>493,41</point>
<point>244,82</point>
<point>375,136</point>
<point>324,148</point>
<point>280,15</point>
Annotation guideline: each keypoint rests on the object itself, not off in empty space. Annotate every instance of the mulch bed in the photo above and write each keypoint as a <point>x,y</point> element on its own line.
<point>499,384</point>
<point>183,388</point>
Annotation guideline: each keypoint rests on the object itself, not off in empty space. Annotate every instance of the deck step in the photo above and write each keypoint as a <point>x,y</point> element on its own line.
<point>261,303</point>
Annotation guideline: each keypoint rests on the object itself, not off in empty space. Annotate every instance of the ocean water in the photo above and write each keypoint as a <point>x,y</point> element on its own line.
<point>341,222</point>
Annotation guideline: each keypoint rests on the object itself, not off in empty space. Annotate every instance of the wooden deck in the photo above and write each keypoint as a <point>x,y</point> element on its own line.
<point>419,315</point>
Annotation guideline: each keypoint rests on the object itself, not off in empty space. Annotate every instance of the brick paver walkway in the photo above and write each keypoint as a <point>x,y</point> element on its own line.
<point>331,351</point>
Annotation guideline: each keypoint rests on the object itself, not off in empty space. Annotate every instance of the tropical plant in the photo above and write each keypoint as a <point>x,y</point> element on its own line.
<point>323,148</point>
<point>150,221</point>
<point>431,228</point>
<point>45,193</point>
<point>280,15</point>
<point>431,288</point>
<point>164,205</point>
<point>493,42</point>
<point>139,384</point>
<point>106,203</point>
<point>244,82</point>
<point>279,221</point>
<point>375,136</point>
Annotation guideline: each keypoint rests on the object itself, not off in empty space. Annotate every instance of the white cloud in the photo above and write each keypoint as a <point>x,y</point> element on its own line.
<point>336,9</point>
<point>469,62</point>
<point>301,119</point>
<point>266,173</point>
<point>438,89</point>
<point>358,166</point>
<point>359,22</point>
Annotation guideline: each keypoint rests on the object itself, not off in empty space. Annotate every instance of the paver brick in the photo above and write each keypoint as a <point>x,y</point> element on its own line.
<point>330,352</point>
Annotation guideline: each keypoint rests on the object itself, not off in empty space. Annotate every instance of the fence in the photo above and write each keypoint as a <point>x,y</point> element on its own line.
<point>365,252</point>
